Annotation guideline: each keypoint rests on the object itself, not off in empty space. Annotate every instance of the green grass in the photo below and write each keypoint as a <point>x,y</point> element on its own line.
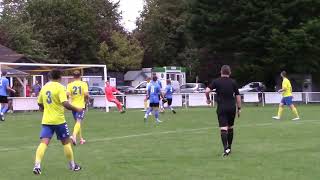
<point>185,146</point>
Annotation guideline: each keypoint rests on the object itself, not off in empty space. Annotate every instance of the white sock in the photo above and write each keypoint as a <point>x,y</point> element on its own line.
<point>37,165</point>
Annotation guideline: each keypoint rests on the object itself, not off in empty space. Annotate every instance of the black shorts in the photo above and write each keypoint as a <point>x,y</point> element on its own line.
<point>154,105</point>
<point>3,99</point>
<point>169,102</point>
<point>226,117</point>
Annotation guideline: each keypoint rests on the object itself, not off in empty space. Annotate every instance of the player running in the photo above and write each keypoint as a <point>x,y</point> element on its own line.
<point>229,103</point>
<point>77,91</point>
<point>4,88</point>
<point>153,94</point>
<point>286,98</point>
<point>109,91</point>
<point>52,100</point>
<point>168,96</point>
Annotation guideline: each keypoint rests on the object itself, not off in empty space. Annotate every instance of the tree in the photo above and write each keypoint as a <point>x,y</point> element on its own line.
<point>161,30</point>
<point>17,32</point>
<point>67,29</point>
<point>125,54</point>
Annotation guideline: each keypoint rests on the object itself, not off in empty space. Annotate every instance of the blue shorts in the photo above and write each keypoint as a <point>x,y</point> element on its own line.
<point>78,115</point>
<point>287,100</point>
<point>61,130</point>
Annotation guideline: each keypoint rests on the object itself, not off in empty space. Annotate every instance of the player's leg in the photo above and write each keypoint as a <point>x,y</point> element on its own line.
<point>170,106</point>
<point>118,104</point>
<point>148,102</point>
<point>231,119</point>
<point>156,112</point>
<point>280,109</point>
<point>294,109</point>
<point>223,124</point>
<point>4,107</point>
<point>148,112</point>
<point>78,116</point>
<point>63,135</point>
<point>145,101</point>
<point>45,136</point>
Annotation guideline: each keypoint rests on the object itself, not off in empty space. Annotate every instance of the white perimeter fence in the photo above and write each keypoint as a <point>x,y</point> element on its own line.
<point>136,101</point>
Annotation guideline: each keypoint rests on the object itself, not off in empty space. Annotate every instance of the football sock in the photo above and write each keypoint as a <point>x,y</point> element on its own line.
<point>224,138</point>
<point>145,105</point>
<point>148,112</point>
<point>156,114</point>
<point>80,132</point>
<point>40,153</point>
<point>68,152</point>
<point>230,137</point>
<point>295,112</point>
<point>4,108</point>
<point>76,129</point>
<point>280,111</point>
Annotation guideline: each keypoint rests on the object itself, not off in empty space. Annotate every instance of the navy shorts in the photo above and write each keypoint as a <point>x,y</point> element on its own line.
<point>78,115</point>
<point>287,100</point>
<point>154,104</point>
<point>61,130</point>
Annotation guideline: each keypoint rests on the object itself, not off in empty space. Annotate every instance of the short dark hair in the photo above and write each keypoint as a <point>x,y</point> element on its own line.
<point>76,74</point>
<point>4,73</point>
<point>55,74</point>
<point>284,73</point>
<point>225,70</point>
<point>168,81</point>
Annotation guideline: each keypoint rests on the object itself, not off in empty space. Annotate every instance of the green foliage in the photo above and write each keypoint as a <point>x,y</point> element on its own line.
<point>65,31</point>
<point>17,33</point>
<point>161,29</point>
<point>258,38</point>
<point>124,54</point>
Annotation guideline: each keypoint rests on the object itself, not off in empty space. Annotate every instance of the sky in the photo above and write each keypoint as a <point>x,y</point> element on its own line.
<point>130,11</point>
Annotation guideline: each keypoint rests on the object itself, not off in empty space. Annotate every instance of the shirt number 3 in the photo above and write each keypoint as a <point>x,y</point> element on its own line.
<point>49,98</point>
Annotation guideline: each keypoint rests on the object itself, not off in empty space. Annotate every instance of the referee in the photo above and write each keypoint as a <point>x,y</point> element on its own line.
<point>229,104</point>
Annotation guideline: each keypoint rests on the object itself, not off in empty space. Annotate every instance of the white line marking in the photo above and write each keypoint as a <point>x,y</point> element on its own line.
<point>164,132</point>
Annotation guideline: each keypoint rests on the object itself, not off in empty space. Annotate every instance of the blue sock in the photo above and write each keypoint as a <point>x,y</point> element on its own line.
<point>156,114</point>
<point>148,112</point>
<point>4,108</point>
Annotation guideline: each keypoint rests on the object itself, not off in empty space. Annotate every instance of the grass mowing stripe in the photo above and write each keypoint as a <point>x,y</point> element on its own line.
<point>160,133</point>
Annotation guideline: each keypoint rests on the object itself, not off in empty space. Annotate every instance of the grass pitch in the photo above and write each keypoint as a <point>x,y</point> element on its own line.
<point>185,146</point>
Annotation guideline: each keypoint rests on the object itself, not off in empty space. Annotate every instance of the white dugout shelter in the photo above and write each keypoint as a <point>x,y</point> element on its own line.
<point>47,68</point>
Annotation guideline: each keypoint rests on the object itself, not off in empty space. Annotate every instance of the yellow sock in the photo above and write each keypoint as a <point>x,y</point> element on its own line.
<point>40,152</point>
<point>145,105</point>
<point>68,152</point>
<point>76,129</point>
<point>80,132</point>
<point>280,111</point>
<point>295,112</point>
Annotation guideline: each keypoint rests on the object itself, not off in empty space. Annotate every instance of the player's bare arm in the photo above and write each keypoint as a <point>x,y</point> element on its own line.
<point>10,89</point>
<point>208,91</point>
<point>41,107</point>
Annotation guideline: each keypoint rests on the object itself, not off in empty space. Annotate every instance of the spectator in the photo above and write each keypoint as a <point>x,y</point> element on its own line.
<point>36,89</point>
<point>28,90</point>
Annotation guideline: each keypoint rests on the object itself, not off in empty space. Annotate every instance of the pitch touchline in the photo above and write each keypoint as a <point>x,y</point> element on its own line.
<point>158,133</point>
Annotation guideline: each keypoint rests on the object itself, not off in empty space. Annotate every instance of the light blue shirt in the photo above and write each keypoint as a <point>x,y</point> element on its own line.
<point>169,92</point>
<point>154,92</point>
<point>4,83</point>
